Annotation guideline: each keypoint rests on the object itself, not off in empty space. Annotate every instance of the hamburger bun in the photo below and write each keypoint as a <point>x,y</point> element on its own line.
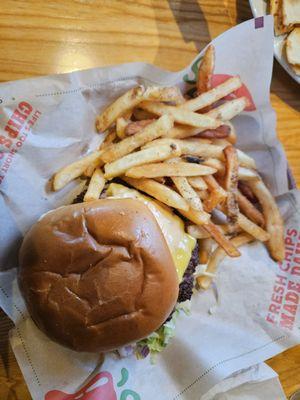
<point>96,276</point>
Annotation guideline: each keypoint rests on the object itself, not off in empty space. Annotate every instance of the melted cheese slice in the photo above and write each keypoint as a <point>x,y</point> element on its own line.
<point>180,243</point>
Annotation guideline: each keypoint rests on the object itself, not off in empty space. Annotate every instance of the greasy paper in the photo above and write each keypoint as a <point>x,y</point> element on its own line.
<point>249,315</point>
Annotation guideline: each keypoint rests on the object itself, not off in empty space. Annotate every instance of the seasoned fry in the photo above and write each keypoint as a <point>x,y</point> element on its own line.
<point>165,169</point>
<point>206,70</point>
<point>197,182</point>
<point>273,220</point>
<point>109,138</point>
<point>119,107</point>
<point>204,281</point>
<point>249,210</point>
<point>168,94</point>
<point>228,110</point>
<point>181,115</point>
<point>213,95</point>
<point>96,186</point>
<point>157,153</point>
<point>160,192</point>
<point>197,217</point>
<point>134,127</point>
<point>129,144</point>
<point>215,163</point>
<point>76,169</point>
<point>231,184</point>
<point>121,127</point>
<point>205,248</point>
<point>187,192</point>
<point>182,132</point>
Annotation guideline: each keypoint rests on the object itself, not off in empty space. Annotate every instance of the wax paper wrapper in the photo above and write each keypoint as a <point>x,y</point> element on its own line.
<point>251,315</point>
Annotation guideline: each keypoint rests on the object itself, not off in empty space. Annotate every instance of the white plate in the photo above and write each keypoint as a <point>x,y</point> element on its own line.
<point>259,8</point>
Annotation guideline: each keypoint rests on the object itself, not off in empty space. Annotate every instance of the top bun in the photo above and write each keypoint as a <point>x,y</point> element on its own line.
<point>96,276</point>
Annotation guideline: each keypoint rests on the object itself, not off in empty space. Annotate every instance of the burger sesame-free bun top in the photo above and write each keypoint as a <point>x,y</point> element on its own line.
<point>96,276</point>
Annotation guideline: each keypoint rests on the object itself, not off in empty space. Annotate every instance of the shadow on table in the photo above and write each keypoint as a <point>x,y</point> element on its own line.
<point>190,20</point>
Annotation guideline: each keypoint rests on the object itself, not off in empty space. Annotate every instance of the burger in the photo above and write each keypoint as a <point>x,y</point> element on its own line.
<point>108,274</point>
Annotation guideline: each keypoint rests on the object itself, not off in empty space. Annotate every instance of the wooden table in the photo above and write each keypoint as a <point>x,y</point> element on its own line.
<point>44,37</point>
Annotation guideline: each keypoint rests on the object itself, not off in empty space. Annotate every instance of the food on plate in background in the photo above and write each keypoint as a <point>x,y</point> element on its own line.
<point>195,199</point>
<point>286,19</point>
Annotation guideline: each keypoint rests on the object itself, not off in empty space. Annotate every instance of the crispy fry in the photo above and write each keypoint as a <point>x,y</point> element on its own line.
<point>206,70</point>
<point>96,186</point>
<point>109,138</point>
<point>213,95</point>
<point>228,110</point>
<point>119,107</point>
<point>217,234</point>
<point>249,210</point>
<point>230,184</point>
<point>160,192</point>
<point>273,220</point>
<point>157,153</point>
<point>197,182</point>
<point>204,281</point>
<point>187,192</point>
<point>165,169</point>
<point>121,126</point>
<point>181,115</point>
<point>74,170</point>
<point>129,144</point>
<point>205,248</point>
<point>134,127</point>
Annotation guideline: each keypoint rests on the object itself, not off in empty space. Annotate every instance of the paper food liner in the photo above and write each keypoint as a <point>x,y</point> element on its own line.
<point>256,314</point>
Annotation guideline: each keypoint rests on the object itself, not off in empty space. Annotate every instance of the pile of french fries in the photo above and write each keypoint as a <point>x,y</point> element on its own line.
<point>181,152</point>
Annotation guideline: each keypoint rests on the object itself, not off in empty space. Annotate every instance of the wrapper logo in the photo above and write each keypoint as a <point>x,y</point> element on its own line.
<point>100,387</point>
<point>15,134</point>
<point>285,297</point>
<point>217,79</point>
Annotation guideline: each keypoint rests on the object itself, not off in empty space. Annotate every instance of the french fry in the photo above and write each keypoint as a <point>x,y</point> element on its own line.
<point>187,192</point>
<point>165,169</point>
<point>231,184</point>
<point>217,194</point>
<point>134,127</point>
<point>215,163</point>
<point>204,281</point>
<point>273,221</point>
<point>160,192</point>
<point>247,174</point>
<point>228,110</point>
<point>197,182</point>
<point>168,94</point>
<point>181,115</point>
<point>157,153</point>
<point>217,234</point>
<point>232,138</point>
<point>206,70</point>
<point>210,97</point>
<point>119,107</point>
<point>188,146</point>
<point>252,229</point>
<point>247,191</point>
<point>197,217</point>
<point>197,232</point>
<point>203,194</point>
<point>131,143</point>
<point>96,186</point>
<point>121,125</point>
<point>76,169</point>
<point>109,138</point>
<point>182,132</point>
<point>221,132</point>
<point>205,248</point>
<point>249,210</point>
